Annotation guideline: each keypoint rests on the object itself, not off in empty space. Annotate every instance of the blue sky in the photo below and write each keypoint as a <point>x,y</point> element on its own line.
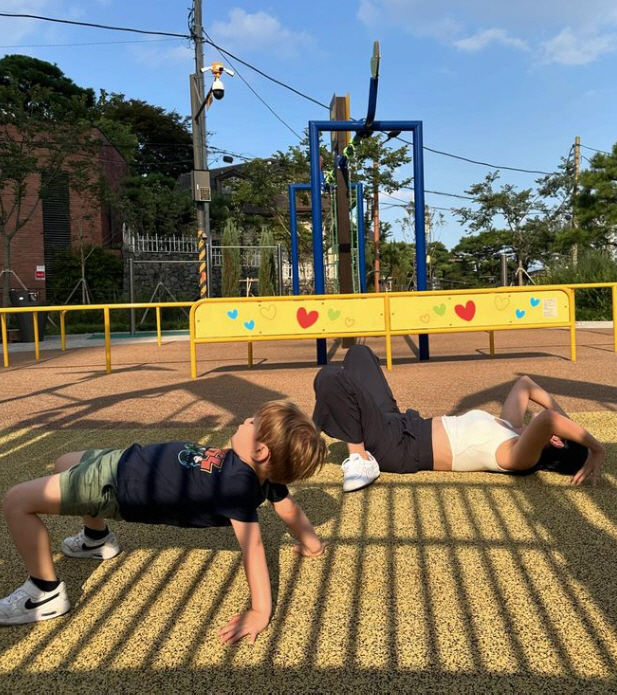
<point>510,83</point>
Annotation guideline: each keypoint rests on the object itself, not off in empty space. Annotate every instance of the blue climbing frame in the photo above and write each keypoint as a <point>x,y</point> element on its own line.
<point>415,127</point>
<point>293,226</point>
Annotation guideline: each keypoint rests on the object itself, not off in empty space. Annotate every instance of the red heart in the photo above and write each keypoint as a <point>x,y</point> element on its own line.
<point>466,312</point>
<point>306,319</point>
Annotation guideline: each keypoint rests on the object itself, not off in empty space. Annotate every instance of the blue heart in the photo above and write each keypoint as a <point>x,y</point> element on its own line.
<point>249,325</point>
<point>233,314</point>
<point>520,313</point>
<point>534,302</point>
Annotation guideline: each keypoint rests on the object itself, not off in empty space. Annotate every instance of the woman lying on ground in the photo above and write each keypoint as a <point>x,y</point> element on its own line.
<point>354,403</point>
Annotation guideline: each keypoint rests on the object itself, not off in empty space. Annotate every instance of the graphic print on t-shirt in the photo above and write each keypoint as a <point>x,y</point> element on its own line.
<point>205,458</point>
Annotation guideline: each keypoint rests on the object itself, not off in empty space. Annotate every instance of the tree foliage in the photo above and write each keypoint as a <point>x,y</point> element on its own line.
<point>164,142</point>
<point>596,202</point>
<point>232,261</point>
<point>153,204</point>
<point>267,264</point>
<point>524,215</point>
<point>37,147</point>
<point>42,90</point>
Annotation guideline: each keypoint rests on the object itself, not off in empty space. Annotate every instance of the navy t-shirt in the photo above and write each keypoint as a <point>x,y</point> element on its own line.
<point>189,485</point>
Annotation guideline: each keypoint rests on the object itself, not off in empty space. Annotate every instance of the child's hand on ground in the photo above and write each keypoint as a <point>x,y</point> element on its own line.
<point>249,623</point>
<point>305,551</point>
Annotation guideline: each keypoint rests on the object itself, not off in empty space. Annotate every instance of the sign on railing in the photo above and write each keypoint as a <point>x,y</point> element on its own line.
<point>296,317</point>
<point>493,311</point>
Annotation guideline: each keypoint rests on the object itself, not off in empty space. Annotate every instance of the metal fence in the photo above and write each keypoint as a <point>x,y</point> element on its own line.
<point>152,243</point>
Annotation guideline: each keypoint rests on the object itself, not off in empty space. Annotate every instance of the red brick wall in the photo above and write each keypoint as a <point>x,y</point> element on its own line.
<point>27,247</point>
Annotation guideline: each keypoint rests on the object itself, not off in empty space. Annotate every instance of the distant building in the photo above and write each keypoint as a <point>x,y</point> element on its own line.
<point>52,227</point>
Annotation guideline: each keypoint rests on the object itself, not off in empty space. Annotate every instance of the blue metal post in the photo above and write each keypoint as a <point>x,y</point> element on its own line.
<point>420,224</point>
<point>361,236</point>
<point>293,228</point>
<point>372,102</point>
<point>322,353</point>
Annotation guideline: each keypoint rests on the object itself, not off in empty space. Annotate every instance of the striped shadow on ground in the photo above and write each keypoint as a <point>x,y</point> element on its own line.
<point>431,581</point>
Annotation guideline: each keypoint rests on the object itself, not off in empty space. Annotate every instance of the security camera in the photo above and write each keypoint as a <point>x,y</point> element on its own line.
<point>218,88</point>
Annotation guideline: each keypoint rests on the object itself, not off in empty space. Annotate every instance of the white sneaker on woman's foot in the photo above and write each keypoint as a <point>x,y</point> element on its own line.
<point>359,473</point>
<point>82,546</point>
<point>29,604</point>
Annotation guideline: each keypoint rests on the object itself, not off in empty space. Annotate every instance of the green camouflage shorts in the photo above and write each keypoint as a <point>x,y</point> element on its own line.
<point>89,487</point>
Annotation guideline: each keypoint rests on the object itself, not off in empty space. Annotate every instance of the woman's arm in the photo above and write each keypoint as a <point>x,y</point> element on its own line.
<point>527,450</point>
<point>524,390</point>
<point>253,621</point>
<point>290,512</point>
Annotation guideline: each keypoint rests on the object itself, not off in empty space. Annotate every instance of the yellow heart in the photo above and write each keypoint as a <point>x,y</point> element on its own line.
<point>349,322</point>
<point>501,302</point>
<point>268,312</point>
<point>425,318</point>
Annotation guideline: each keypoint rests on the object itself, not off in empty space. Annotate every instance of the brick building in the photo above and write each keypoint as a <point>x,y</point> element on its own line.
<point>62,219</point>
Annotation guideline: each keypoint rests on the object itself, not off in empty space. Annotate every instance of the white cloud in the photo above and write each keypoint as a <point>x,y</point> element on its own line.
<point>259,31</point>
<point>523,25</point>
<point>17,28</point>
<point>568,48</point>
<point>482,39</point>
<point>160,54</point>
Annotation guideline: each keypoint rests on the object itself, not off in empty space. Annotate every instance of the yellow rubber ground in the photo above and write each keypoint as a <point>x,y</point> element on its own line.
<point>432,582</point>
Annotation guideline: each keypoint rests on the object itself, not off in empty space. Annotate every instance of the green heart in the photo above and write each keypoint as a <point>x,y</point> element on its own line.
<point>333,314</point>
<point>440,309</point>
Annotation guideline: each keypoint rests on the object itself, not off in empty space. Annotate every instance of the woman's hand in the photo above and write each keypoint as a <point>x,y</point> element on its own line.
<point>592,467</point>
<point>305,551</point>
<point>250,623</point>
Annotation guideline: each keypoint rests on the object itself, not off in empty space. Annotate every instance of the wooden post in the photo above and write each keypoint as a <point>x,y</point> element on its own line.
<point>339,111</point>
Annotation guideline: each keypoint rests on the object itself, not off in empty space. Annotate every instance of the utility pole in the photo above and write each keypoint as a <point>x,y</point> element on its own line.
<point>200,151</point>
<point>577,172</point>
<point>339,111</point>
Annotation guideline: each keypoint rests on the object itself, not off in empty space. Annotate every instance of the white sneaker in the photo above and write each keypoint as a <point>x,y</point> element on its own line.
<point>82,546</point>
<point>359,473</point>
<point>29,604</point>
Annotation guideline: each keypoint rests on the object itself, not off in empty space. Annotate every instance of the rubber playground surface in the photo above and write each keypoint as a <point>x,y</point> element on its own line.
<point>432,582</point>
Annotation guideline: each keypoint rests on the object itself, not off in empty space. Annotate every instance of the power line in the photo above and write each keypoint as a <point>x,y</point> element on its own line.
<point>594,150</point>
<point>93,43</point>
<point>475,161</point>
<point>263,74</point>
<point>209,41</point>
<point>263,101</point>
<point>93,25</point>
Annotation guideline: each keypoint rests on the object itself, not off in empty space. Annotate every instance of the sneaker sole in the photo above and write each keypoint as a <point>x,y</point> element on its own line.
<point>99,554</point>
<point>36,617</point>
<point>362,487</point>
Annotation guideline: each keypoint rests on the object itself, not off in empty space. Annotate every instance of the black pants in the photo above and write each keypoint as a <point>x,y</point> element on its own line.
<point>354,403</point>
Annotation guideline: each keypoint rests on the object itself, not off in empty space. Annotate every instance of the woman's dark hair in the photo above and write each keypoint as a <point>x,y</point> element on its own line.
<point>567,461</point>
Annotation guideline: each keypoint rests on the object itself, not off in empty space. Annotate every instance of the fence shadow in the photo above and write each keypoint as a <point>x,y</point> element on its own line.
<point>432,582</point>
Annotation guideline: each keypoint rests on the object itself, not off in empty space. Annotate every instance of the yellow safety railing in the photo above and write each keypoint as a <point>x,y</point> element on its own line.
<point>253,319</point>
<point>62,310</point>
<point>377,315</point>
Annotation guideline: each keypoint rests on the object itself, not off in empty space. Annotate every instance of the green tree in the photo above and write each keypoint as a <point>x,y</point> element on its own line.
<point>37,149</point>
<point>596,202</point>
<point>164,141</point>
<point>524,214</point>
<point>42,90</point>
<point>478,257</point>
<point>102,270</point>
<point>267,264</point>
<point>232,263</point>
<point>593,265</point>
<point>153,204</point>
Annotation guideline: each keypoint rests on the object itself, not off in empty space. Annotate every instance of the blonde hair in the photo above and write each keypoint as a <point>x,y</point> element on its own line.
<point>297,451</point>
